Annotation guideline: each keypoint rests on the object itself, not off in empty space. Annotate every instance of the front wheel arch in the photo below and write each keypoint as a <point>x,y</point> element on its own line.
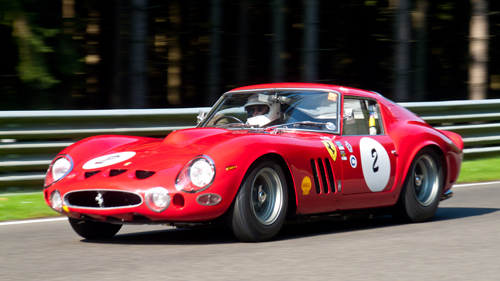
<point>292,193</point>
<point>258,219</point>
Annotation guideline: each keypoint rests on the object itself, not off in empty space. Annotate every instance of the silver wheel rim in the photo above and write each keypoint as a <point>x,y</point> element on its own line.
<point>425,180</point>
<point>266,196</point>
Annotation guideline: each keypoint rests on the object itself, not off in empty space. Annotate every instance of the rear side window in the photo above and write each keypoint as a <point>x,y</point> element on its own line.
<point>361,117</point>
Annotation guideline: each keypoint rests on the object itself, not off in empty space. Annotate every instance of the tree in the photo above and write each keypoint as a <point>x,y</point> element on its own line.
<point>420,23</point>
<point>478,50</point>
<point>310,51</point>
<point>402,51</point>
<point>138,51</point>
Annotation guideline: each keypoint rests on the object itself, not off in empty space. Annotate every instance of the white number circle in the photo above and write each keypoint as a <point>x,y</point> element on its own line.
<point>376,164</point>
<point>107,160</point>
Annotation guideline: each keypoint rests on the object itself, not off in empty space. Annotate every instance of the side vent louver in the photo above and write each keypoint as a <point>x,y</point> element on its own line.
<point>315,175</point>
<point>116,172</point>
<point>91,173</point>
<point>143,174</point>
<point>323,176</point>
<point>330,174</point>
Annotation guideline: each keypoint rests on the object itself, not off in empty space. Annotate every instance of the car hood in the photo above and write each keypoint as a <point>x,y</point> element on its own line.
<point>177,149</point>
<point>146,153</point>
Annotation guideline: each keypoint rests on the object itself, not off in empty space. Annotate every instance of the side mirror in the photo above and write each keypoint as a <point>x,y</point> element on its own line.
<point>349,116</point>
<point>201,116</point>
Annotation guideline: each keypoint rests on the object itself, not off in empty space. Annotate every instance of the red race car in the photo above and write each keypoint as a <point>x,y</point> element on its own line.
<point>264,155</point>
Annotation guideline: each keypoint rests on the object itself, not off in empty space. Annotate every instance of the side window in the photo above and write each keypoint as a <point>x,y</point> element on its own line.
<point>361,117</point>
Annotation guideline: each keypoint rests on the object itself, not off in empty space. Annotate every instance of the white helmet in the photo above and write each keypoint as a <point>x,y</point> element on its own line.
<point>261,113</point>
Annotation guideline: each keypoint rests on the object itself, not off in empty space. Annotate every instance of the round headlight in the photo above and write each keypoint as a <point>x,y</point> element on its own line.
<point>201,172</point>
<point>56,201</point>
<point>60,168</point>
<point>157,199</point>
<point>197,175</point>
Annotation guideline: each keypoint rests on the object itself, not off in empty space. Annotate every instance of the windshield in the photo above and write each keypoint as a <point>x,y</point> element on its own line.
<point>314,110</point>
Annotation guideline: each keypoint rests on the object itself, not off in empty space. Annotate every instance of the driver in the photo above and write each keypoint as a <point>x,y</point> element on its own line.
<point>262,113</point>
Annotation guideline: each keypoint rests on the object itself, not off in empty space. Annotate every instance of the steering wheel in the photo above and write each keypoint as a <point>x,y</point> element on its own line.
<point>227,117</point>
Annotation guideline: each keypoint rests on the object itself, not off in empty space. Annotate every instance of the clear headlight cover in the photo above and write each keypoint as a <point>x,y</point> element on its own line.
<point>59,168</point>
<point>56,201</point>
<point>197,175</point>
<point>157,199</point>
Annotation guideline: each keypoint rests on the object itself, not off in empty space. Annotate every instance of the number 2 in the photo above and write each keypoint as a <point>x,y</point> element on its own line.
<point>374,155</point>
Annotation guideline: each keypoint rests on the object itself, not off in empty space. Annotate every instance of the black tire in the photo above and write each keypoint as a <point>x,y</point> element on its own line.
<point>94,230</point>
<point>422,189</point>
<point>260,206</point>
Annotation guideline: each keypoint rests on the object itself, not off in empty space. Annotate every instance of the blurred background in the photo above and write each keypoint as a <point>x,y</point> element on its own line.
<point>108,54</point>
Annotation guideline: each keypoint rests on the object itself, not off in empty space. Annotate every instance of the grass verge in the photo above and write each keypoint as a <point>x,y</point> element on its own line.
<point>32,205</point>
<point>481,169</point>
<point>19,206</point>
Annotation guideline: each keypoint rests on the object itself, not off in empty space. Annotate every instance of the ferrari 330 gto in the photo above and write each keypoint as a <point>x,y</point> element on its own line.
<point>262,156</point>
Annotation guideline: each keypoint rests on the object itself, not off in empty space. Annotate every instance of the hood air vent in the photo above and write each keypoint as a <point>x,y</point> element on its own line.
<point>116,172</point>
<point>143,174</point>
<point>91,173</point>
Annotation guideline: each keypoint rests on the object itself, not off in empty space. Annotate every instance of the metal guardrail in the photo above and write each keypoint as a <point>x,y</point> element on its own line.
<point>477,121</point>
<point>29,140</point>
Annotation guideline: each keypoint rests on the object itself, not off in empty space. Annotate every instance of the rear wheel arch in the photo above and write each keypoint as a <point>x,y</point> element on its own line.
<point>422,186</point>
<point>433,147</point>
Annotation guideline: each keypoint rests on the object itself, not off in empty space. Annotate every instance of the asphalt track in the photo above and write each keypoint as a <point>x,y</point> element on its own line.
<point>460,243</point>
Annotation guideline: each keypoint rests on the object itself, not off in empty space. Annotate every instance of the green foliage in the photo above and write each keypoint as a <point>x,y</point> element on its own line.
<point>32,66</point>
<point>445,11</point>
<point>35,64</point>
<point>31,43</point>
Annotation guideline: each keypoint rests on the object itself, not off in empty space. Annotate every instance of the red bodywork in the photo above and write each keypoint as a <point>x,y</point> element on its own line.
<point>299,152</point>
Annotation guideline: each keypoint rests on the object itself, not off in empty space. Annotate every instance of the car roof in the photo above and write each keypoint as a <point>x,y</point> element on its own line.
<point>341,89</point>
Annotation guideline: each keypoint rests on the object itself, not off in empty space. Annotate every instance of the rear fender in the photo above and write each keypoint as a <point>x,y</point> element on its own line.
<point>417,149</point>
<point>455,138</point>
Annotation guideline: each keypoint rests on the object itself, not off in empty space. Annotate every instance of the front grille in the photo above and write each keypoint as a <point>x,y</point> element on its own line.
<point>102,199</point>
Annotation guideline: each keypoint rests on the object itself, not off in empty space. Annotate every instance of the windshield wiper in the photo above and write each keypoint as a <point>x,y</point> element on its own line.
<point>238,125</point>
<point>328,125</point>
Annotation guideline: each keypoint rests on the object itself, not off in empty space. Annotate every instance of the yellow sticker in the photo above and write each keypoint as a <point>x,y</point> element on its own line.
<point>331,149</point>
<point>306,185</point>
<point>332,96</point>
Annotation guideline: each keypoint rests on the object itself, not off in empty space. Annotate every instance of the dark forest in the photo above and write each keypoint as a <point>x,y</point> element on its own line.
<point>95,54</point>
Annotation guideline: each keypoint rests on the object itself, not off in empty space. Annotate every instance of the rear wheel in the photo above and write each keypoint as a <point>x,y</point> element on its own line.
<point>422,189</point>
<point>94,230</point>
<point>260,206</point>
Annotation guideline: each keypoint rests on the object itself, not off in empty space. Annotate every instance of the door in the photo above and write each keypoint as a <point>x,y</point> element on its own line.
<point>367,153</point>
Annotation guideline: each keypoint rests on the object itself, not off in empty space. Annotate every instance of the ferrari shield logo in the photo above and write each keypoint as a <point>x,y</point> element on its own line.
<point>331,149</point>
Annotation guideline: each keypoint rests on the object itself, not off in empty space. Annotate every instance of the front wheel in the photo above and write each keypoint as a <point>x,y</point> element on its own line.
<point>260,206</point>
<point>422,189</point>
<point>94,230</point>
